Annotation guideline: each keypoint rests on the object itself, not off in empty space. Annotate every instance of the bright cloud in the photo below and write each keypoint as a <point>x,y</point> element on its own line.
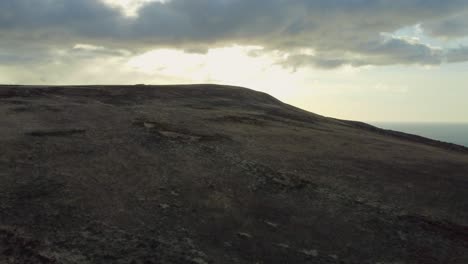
<point>130,7</point>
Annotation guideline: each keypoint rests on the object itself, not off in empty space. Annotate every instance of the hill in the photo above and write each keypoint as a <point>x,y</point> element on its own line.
<point>217,174</point>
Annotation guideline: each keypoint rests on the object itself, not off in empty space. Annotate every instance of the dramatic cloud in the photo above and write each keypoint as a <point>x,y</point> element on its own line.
<point>354,32</point>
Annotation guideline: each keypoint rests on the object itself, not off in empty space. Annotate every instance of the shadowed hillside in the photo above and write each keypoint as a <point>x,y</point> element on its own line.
<point>216,174</point>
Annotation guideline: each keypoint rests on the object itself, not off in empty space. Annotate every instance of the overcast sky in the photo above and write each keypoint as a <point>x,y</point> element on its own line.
<point>369,60</point>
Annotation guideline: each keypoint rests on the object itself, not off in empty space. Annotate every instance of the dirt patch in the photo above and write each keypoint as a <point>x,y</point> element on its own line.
<point>238,119</point>
<point>266,178</point>
<point>174,133</point>
<point>56,132</point>
<point>39,108</point>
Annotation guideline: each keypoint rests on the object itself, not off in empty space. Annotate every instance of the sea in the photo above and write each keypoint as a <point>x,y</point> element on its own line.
<point>456,133</point>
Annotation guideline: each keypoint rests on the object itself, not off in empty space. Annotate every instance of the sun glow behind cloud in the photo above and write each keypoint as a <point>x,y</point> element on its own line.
<point>233,65</point>
<point>130,7</point>
<point>249,67</point>
<point>365,60</point>
<point>360,93</point>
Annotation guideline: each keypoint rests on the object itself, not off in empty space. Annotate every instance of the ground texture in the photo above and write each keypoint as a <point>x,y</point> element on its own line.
<point>215,174</point>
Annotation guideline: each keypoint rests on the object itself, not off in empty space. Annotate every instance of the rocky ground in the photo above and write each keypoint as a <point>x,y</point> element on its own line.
<point>214,174</point>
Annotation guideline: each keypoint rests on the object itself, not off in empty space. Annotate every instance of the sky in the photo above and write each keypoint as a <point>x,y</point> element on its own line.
<point>367,60</point>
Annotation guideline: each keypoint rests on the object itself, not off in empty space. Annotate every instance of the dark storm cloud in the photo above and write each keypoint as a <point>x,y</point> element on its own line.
<point>339,31</point>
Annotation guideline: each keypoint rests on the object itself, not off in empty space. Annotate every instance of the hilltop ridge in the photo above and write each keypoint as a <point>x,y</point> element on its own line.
<point>217,174</point>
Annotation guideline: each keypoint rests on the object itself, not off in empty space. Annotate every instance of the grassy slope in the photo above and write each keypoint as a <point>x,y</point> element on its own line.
<point>215,174</point>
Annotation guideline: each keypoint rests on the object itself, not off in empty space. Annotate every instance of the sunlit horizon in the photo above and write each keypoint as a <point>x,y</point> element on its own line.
<point>403,70</point>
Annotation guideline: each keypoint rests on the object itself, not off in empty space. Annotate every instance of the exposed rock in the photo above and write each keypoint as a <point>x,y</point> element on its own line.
<point>283,245</point>
<point>310,253</point>
<point>271,224</point>
<point>164,206</point>
<point>244,235</point>
<point>199,261</point>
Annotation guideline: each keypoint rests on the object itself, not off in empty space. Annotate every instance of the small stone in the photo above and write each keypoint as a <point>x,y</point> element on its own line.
<point>244,235</point>
<point>310,253</point>
<point>198,253</point>
<point>228,244</point>
<point>402,236</point>
<point>199,261</point>
<point>271,224</point>
<point>164,206</point>
<point>149,125</point>
<point>86,234</point>
<point>282,245</point>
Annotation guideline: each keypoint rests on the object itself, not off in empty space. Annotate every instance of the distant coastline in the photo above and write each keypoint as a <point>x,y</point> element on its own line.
<point>456,133</point>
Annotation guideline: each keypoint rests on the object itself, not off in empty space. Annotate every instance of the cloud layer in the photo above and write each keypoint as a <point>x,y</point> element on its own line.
<point>322,33</point>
